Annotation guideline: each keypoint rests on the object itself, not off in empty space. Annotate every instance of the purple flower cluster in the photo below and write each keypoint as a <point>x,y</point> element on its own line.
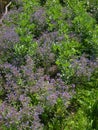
<point>45,56</point>
<point>26,94</point>
<point>84,68</point>
<point>8,36</point>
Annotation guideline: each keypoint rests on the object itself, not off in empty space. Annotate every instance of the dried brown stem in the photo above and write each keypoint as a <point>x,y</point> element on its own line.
<point>6,11</point>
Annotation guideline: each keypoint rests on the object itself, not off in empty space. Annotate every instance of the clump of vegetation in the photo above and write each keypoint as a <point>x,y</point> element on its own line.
<point>49,65</point>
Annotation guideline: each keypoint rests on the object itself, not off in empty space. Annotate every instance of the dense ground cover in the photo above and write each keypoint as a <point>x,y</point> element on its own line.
<point>49,65</point>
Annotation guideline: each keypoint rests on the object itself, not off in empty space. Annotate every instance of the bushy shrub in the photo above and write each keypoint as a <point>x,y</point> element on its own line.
<point>80,26</point>
<point>27,97</point>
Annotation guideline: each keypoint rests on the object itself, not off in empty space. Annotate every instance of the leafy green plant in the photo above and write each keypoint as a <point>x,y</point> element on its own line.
<point>77,121</point>
<point>66,51</point>
<point>25,31</point>
<point>54,14</point>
